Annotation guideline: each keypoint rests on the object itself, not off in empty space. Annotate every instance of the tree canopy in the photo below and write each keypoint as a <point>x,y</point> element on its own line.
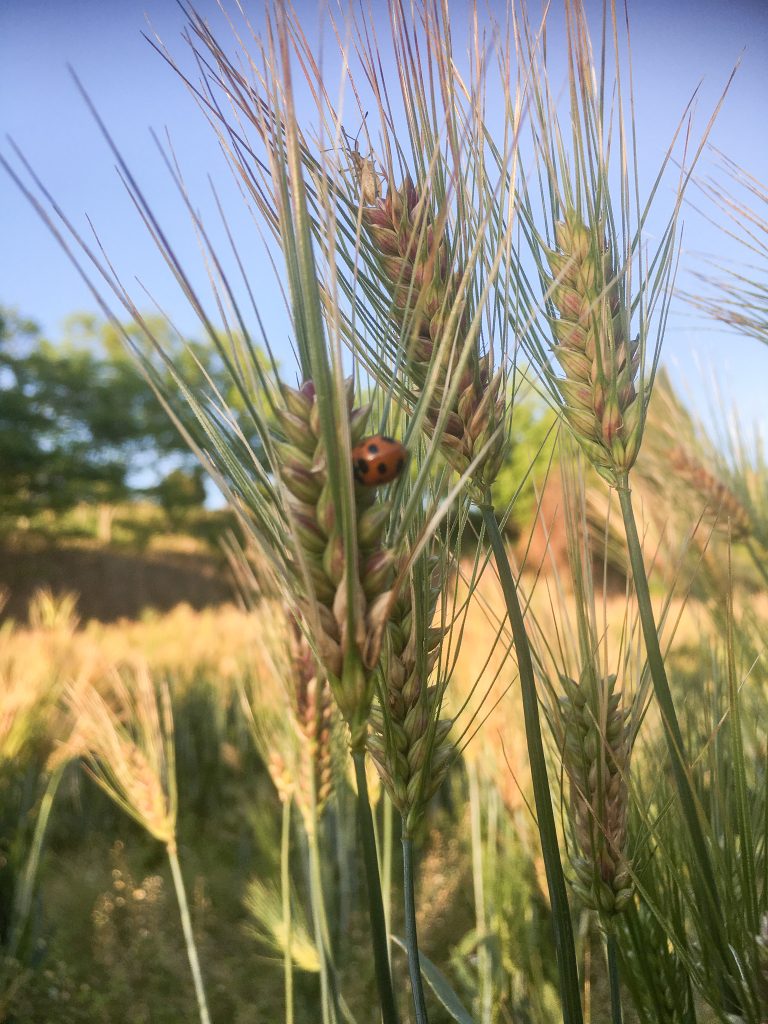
<point>79,423</point>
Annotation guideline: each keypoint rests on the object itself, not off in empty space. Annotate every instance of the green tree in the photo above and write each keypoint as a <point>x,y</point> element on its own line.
<point>79,422</point>
<point>534,429</point>
<point>181,491</point>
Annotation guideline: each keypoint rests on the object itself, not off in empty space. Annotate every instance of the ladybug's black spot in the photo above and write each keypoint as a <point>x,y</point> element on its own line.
<point>400,464</point>
<point>382,468</point>
<point>373,448</point>
<point>362,466</point>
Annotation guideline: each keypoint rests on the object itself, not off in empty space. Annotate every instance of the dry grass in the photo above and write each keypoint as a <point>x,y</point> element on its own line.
<point>224,645</point>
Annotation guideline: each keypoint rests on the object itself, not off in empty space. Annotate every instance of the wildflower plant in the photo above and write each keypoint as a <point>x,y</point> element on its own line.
<point>430,219</point>
<point>377,643</point>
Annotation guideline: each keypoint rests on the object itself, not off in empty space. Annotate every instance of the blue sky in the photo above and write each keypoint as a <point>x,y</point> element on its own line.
<point>676,45</point>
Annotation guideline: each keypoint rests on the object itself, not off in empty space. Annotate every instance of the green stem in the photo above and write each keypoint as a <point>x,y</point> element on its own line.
<point>386,870</point>
<point>189,938</point>
<point>672,733</point>
<point>613,977</point>
<point>334,1006</point>
<point>375,901</point>
<point>23,901</point>
<point>328,1000</point>
<point>411,937</point>
<point>285,885</point>
<point>476,835</point>
<point>561,917</point>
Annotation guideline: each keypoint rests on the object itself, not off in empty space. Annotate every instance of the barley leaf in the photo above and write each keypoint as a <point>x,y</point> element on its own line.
<point>440,985</point>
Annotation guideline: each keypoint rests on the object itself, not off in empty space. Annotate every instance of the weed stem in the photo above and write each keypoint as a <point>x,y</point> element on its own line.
<point>328,988</point>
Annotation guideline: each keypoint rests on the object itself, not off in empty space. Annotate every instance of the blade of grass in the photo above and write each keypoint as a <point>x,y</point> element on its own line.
<point>670,723</point>
<point>561,917</point>
<point>285,885</point>
<point>23,902</point>
<point>476,834</point>
<point>440,986</point>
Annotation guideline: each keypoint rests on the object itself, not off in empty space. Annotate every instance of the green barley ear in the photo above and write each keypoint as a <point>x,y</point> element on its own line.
<point>596,755</point>
<point>423,247</point>
<point>599,359</point>
<point>596,335</point>
<point>723,506</point>
<point>303,467</point>
<point>288,704</point>
<point>409,740</point>
<point>429,306</point>
<point>594,715</point>
<point>582,340</point>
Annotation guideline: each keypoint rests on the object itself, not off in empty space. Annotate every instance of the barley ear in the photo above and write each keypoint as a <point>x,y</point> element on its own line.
<point>596,758</point>
<point>593,346</point>
<point>409,741</point>
<point>303,468</point>
<point>465,405</point>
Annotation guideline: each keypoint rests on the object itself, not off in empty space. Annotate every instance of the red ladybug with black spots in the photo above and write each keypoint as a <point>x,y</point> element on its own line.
<point>378,460</point>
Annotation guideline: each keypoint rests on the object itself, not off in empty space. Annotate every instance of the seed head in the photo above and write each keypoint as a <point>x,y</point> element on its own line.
<point>303,470</point>
<point>288,703</point>
<point>596,755</point>
<point>724,506</point>
<point>126,737</point>
<point>408,741</point>
<point>414,256</point>
<point>590,324</point>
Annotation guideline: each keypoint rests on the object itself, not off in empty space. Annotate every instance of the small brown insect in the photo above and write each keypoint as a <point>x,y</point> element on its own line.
<point>370,187</point>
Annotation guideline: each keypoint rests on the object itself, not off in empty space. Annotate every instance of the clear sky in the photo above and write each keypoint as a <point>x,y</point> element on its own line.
<point>676,45</point>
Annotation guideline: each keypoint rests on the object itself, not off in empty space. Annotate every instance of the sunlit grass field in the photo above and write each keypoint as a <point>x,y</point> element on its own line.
<point>103,940</point>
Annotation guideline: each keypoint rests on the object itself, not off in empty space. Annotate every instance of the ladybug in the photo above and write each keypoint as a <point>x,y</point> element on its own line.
<point>378,460</point>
